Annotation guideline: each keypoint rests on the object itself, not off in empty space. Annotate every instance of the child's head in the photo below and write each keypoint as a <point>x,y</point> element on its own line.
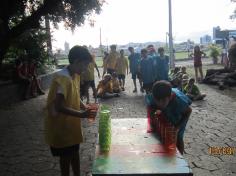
<point>151,49</point>
<point>113,47</point>
<point>106,78</point>
<point>191,81</point>
<point>161,51</point>
<point>131,49</point>
<point>79,58</point>
<point>161,91</point>
<point>183,69</point>
<point>144,53</point>
<point>122,52</point>
<point>196,48</point>
<point>176,70</point>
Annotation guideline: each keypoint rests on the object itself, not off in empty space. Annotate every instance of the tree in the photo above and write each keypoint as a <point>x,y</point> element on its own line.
<point>233,16</point>
<point>17,17</point>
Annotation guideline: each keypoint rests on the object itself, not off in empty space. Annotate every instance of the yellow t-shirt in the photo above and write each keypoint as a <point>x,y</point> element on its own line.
<point>111,60</point>
<point>115,84</point>
<point>103,88</point>
<point>63,130</point>
<point>121,66</point>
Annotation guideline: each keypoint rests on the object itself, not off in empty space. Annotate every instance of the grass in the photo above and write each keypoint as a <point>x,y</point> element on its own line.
<point>178,56</point>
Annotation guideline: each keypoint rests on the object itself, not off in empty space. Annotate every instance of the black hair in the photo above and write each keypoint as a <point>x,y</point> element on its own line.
<point>144,51</point>
<point>160,49</point>
<point>79,53</point>
<point>130,48</point>
<point>161,89</point>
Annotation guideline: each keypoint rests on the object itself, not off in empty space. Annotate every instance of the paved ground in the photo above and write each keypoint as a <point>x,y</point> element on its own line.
<point>24,153</point>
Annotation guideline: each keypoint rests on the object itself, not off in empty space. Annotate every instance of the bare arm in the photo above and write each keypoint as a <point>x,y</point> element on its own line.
<point>185,115</point>
<point>97,70</point>
<point>61,107</point>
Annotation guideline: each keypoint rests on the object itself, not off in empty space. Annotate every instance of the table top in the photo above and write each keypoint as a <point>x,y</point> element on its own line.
<point>136,152</point>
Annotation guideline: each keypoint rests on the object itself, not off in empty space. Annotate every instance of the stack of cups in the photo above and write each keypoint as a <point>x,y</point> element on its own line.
<point>104,130</point>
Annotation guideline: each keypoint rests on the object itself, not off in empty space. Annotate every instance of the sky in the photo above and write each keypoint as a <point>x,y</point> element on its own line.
<point>124,21</point>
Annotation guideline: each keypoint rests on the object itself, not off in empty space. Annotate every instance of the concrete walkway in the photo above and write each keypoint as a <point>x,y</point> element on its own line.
<point>212,124</point>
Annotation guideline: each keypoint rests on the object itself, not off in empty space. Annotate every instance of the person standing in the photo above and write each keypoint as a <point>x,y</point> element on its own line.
<point>110,63</point>
<point>122,69</point>
<point>147,71</point>
<point>134,66</point>
<point>162,65</point>
<point>197,58</point>
<point>89,79</point>
<point>63,130</point>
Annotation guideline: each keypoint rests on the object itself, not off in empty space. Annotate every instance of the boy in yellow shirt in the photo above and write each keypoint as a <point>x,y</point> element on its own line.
<point>89,80</point>
<point>122,69</point>
<point>105,88</point>
<point>63,132</point>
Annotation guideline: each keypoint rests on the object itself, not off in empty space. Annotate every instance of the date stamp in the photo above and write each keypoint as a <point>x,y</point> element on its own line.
<point>221,150</point>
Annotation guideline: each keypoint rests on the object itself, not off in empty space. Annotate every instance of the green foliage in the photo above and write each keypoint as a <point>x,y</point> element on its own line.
<point>214,51</point>
<point>32,43</point>
<point>18,18</point>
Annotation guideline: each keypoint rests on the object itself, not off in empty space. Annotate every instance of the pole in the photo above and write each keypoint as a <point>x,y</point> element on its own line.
<point>172,59</point>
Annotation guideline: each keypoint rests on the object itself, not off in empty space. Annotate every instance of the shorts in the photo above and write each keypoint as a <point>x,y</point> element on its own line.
<point>197,63</point>
<point>121,76</point>
<point>65,151</point>
<point>110,71</point>
<point>89,83</point>
<point>137,74</point>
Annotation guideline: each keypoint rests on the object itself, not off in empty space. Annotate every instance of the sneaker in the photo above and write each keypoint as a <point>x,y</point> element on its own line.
<point>135,90</point>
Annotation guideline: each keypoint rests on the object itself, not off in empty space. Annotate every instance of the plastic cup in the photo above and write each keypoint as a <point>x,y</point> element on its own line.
<point>93,108</point>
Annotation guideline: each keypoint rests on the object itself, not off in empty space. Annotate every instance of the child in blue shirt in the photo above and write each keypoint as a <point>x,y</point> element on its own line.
<point>174,105</point>
<point>147,71</point>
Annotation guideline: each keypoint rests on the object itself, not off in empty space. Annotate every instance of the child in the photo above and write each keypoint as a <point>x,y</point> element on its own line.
<point>174,105</point>
<point>88,78</point>
<point>105,88</point>
<point>63,130</point>
<point>192,91</point>
<point>115,83</point>
<point>162,65</point>
<point>197,57</point>
<point>147,71</point>
<point>122,69</point>
<point>134,64</point>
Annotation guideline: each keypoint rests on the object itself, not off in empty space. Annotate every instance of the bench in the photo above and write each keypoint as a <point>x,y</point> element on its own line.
<point>136,152</point>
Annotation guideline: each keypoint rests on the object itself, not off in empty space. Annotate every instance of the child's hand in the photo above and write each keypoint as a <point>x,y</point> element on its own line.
<point>84,113</point>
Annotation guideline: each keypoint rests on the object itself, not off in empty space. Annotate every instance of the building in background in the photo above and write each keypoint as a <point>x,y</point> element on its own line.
<point>205,40</point>
<point>223,37</point>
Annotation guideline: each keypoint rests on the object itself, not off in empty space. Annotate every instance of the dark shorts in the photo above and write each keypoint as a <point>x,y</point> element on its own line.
<point>65,151</point>
<point>89,83</point>
<point>121,76</point>
<point>136,75</point>
<point>197,63</point>
<point>110,71</point>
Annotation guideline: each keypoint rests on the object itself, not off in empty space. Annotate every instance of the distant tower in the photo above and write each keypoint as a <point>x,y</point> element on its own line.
<point>66,47</point>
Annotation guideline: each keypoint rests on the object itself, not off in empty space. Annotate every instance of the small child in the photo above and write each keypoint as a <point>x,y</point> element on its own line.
<point>122,69</point>
<point>197,58</point>
<point>174,105</point>
<point>192,91</point>
<point>105,88</point>
<point>63,131</point>
<point>115,83</point>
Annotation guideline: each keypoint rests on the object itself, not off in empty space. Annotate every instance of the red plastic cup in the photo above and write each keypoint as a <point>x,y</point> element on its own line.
<point>93,108</point>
